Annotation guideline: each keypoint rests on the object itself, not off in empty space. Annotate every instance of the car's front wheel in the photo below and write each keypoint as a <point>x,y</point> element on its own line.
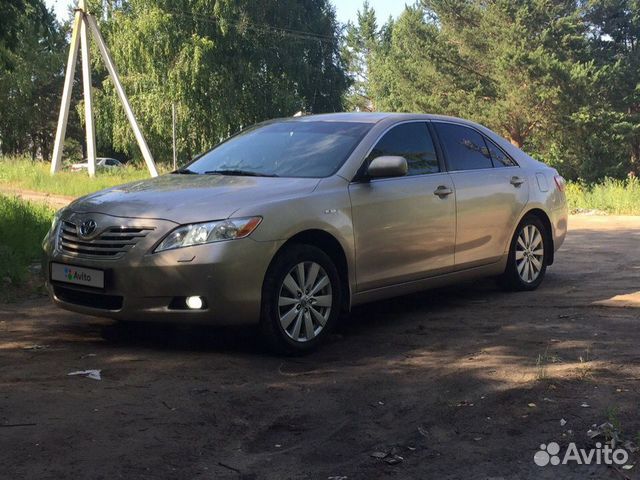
<point>300,299</point>
<point>528,254</point>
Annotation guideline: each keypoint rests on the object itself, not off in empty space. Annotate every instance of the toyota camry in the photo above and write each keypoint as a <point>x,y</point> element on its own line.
<point>291,222</point>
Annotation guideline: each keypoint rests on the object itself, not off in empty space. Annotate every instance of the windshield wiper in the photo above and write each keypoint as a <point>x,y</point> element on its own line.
<point>240,173</point>
<point>185,171</point>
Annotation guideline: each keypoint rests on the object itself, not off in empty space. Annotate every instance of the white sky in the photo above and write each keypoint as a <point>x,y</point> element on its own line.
<point>345,9</point>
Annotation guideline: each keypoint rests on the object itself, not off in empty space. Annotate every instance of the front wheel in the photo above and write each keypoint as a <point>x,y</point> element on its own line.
<point>528,254</point>
<point>300,299</point>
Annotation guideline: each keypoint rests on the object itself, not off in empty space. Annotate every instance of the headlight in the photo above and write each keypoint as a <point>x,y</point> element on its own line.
<point>56,219</point>
<point>200,233</point>
<point>54,225</point>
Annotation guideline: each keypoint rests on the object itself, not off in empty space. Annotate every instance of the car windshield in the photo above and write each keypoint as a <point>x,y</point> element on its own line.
<point>283,149</point>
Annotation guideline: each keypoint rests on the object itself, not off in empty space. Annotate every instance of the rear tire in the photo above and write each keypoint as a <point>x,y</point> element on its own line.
<point>301,298</point>
<point>528,256</point>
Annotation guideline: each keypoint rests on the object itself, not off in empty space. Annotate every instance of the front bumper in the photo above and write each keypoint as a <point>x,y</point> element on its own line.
<point>143,286</point>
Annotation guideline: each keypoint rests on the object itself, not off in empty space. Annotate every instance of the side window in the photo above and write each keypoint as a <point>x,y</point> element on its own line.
<point>500,159</point>
<point>411,141</point>
<point>464,146</point>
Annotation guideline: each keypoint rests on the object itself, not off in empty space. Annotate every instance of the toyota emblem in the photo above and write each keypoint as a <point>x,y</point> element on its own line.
<point>87,228</point>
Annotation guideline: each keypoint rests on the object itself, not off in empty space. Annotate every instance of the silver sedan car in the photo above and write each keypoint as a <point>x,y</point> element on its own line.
<point>293,221</point>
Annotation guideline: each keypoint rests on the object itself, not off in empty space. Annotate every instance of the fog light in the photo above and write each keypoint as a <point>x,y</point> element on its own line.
<point>194,303</point>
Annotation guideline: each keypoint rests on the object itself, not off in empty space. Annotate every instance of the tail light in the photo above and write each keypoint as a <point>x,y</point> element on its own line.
<point>560,182</point>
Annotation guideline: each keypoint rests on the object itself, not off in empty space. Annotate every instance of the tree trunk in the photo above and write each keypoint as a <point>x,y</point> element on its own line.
<point>516,142</point>
<point>635,156</point>
<point>514,135</point>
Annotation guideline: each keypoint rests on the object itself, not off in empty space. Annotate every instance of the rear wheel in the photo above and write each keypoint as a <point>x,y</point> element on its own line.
<point>528,254</point>
<point>300,299</point>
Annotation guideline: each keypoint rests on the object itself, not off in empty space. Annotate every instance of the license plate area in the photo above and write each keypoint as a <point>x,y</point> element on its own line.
<point>71,274</point>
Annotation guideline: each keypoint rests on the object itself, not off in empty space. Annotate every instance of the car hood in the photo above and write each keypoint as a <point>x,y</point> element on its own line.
<point>190,198</point>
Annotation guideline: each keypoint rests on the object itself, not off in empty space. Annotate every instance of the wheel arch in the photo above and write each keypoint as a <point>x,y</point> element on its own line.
<point>544,218</point>
<point>330,245</point>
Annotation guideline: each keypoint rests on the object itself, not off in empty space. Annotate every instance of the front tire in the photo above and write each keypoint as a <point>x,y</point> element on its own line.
<point>528,254</point>
<point>301,298</point>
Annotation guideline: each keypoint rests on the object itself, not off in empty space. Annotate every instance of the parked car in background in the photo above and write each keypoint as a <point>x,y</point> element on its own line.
<point>101,163</point>
<point>292,221</point>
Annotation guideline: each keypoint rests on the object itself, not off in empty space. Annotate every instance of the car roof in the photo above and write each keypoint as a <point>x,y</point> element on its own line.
<point>374,117</point>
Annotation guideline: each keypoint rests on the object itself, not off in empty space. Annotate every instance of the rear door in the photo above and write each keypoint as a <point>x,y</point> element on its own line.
<point>404,227</point>
<point>491,192</point>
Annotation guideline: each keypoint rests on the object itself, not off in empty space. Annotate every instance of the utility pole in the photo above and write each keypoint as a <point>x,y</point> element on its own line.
<point>173,128</point>
<point>88,97</point>
<point>83,23</point>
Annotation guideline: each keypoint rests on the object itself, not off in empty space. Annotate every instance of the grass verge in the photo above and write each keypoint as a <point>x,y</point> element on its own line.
<point>17,172</point>
<point>23,225</point>
<point>616,197</point>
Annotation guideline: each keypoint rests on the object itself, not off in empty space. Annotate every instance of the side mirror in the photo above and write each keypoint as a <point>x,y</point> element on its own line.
<point>388,166</point>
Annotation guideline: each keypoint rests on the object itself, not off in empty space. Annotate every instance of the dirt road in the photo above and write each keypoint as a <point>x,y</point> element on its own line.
<point>52,200</point>
<point>465,382</point>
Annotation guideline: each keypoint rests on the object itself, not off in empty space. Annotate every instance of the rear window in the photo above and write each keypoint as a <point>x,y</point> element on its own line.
<point>465,148</point>
<point>500,159</point>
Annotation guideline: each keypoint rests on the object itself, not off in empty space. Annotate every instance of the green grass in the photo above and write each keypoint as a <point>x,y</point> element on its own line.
<point>23,226</point>
<point>616,197</point>
<point>18,172</point>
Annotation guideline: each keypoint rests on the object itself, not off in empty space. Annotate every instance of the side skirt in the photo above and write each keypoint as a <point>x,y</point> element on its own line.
<point>490,270</point>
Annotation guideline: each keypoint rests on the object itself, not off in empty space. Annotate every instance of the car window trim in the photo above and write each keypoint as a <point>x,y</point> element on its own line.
<point>359,176</point>
<point>484,138</point>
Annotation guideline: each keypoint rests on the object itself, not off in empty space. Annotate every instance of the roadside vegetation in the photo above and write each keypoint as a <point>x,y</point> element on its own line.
<point>23,225</point>
<point>615,197</point>
<point>22,173</point>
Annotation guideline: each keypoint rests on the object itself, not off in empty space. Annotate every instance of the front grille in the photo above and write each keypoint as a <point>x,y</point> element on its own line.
<point>86,299</point>
<point>112,242</point>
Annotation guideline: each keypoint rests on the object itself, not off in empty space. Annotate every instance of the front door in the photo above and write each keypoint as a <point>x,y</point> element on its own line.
<point>404,227</point>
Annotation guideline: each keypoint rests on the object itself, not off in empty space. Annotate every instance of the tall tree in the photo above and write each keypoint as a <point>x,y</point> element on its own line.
<point>503,63</point>
<point>31,81</point>
<point>225,64</point>
<point>360,43</point>
<point>615,41</point>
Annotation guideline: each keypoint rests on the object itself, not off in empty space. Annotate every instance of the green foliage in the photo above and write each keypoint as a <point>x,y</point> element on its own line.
<point>617,197</point>
<point>23,225</point>
<point>358,50</point>
<point>225,64</point>
<point>500,63</point>
<point>22,173</point>
<point>32,52</point>
<point>560,79</point>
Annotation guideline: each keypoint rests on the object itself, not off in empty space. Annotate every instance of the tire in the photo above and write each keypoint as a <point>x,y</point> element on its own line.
<point>528,256</point>
<point>291,321</point>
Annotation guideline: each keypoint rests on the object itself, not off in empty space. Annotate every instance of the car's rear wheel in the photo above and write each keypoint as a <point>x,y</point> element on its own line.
<point>300,299</point>
<point>528,254</point>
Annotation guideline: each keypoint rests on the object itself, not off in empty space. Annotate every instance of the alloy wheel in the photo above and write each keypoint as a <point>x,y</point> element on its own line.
<point>304,301</point>
<point>529,253</point>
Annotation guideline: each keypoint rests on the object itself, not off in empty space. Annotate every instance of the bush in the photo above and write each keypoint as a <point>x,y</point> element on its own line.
<point>619,197</point>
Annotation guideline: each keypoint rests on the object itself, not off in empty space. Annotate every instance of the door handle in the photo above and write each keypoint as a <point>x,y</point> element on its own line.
<point>517,181</point>
<point>442,191</point>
